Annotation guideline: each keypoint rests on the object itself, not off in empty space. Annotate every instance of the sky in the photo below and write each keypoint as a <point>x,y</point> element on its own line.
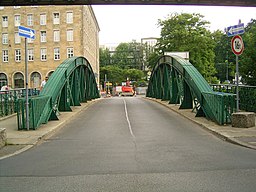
<point>124,23</point>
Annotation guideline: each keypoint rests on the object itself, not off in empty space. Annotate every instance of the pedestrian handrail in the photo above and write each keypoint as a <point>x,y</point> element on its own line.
<point>247,94</point>
<point>8,99</point>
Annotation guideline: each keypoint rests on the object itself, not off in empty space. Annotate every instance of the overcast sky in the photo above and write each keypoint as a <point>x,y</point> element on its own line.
<point>124,23</point>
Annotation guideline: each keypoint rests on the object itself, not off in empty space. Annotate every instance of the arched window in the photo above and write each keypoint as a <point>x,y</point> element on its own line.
<point>18,80</point>
<point>3,80</point>
<point>50,73</point>
<point>35,80</point>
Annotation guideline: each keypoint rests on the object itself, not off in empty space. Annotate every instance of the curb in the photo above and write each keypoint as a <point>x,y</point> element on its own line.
<point>7,117</point>
<point>205,127</point>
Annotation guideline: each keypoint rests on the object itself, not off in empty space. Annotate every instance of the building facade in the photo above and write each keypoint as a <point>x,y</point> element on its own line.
<point>60,32</point>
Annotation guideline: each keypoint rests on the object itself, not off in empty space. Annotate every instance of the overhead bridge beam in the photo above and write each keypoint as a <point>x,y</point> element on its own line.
<point>243,3</point>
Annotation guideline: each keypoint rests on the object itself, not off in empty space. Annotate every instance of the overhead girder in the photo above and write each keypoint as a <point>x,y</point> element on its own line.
<point>246,3</point>
<point>72,83</point>
<point>178,81</point>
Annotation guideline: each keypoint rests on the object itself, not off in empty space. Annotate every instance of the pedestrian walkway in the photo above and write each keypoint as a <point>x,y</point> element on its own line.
<point>19,141</point>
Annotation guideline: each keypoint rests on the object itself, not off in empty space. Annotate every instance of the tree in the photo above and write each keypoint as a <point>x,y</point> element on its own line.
<point>105,57</point>
<point>128,56</point>
<point>224,58</point>
<point>248,58</point>
<point>113,74</point>
<point>134,74</point>
<point>152,59</point>
<point>188,32</point>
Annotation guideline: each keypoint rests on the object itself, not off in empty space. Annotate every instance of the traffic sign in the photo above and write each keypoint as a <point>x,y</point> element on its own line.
<point>26,32</point>
<point>235,30</point>
<point>237,45</point>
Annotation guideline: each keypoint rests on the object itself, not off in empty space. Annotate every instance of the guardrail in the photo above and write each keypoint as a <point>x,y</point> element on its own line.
<point>8,100</point>
<point>247,95</point>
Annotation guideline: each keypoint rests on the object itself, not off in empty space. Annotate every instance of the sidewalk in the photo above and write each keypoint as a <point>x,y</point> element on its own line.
<point>241,136</point>
<point>19,141</point>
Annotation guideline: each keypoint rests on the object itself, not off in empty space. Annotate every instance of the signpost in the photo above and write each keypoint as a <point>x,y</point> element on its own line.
<point>237,46</point>
<point>27,33</point>
<point>235,30</point>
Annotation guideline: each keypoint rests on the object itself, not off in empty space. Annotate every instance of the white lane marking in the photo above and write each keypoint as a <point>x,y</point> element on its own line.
<point>127,118</point>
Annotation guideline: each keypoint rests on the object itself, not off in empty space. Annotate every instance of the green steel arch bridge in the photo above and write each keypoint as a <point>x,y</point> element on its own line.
<point>72,83</point>
<point>176,80</point>
<point>173,79</point>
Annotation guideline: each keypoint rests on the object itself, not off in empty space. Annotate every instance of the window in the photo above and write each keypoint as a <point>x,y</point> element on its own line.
<point>16,20</point>
<point>30,55</point>
<point>43,36</point>
<point>42,19</point>
<point>56,18</point>
<point>56,35</point>
<point>16,7</point>
<point>5,56</point>
<point>5,38</point>
<point>70,35</point>
<point>69,17</point>
<point>56,53</point>
<point>43,54</point>
<point>17,55</point>
<point>30,20</point>
<point>70,52</point>
<point>4,21</point>
<point>17,38</point>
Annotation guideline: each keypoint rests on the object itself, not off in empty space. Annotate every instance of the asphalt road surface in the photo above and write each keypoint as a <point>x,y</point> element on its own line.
<point>133,145</point>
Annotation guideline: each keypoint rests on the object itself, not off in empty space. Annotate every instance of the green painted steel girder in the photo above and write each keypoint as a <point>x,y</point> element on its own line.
<point>177,80</point>
<point>72,83</point>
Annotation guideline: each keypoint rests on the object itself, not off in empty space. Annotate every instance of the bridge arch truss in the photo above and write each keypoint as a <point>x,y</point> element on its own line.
<point>176,80</point>
<point>72,83</point>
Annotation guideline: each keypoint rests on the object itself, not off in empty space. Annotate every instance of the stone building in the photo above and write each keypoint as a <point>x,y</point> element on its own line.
<point>60,32</point>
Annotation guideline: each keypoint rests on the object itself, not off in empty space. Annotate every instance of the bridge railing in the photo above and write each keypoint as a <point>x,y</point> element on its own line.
<point>222,105</point>
<point>247,95</point>
<point>37,110</point>
<point>8,100</point>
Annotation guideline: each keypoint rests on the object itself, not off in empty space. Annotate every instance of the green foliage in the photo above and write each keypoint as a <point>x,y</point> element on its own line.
<point>105,57</point>
<point>248,58</point>
<point>124,63</point>
<point>134,74</point>
<point>113,74</point>
<point>152,59</point>
<point>128,56</point>
<point>224,58</point>
<point>116,75</point>
<point>188,32</point>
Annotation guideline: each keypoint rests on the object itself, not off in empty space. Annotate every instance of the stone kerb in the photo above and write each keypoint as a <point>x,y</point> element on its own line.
<point>243,119</point>
<point>3,137</point>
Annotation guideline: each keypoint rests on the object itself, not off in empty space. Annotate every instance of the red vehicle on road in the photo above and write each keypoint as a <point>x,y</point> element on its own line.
<point>127,91</point>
